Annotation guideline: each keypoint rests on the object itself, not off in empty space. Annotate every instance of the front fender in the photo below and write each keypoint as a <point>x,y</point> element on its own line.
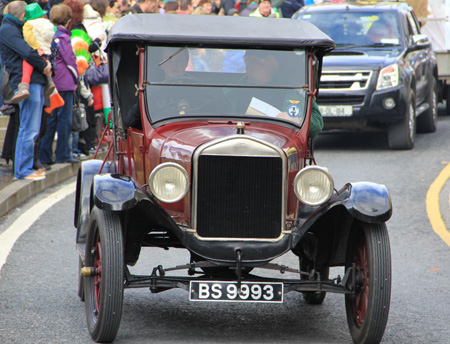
<point>367,202</point>
<point>87,171</point>
<point>114,192</point>
<point>364,201</point>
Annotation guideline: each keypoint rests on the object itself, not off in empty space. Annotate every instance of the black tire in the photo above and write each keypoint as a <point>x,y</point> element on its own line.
<point>104,292</point>
<point>313,297</point>
<point>401,135</point>
<point>426,122</point>
<point>368,309</point>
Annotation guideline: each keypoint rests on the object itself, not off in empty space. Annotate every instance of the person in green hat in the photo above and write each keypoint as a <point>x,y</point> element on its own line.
<point>38,32</point>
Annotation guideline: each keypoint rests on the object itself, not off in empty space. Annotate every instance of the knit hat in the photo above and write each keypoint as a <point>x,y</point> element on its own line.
<point>34,11</point>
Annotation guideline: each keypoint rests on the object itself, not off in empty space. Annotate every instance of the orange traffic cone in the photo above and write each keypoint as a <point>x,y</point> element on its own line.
<point>56,101</point>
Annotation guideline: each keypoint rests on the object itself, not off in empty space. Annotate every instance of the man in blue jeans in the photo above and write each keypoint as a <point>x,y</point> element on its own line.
<point>14,50</point>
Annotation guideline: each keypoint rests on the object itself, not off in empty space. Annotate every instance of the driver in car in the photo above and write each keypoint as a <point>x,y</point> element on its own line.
<point>173,63</point>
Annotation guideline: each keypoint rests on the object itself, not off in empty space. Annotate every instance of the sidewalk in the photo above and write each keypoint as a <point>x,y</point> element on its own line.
<point>19,191</point>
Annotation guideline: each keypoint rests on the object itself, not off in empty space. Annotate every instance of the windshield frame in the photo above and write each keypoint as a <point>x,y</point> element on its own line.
<point>151,86</point>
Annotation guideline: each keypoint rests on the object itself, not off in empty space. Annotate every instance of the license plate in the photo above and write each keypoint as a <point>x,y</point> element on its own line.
<point>228,292</point>
<point>336,110</point>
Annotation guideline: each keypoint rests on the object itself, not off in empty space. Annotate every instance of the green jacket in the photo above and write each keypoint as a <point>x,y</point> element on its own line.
<point>316,125</point>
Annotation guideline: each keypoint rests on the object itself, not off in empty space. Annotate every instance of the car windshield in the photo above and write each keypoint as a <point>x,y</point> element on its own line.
<point>357,29</point>
<point>225,83</point>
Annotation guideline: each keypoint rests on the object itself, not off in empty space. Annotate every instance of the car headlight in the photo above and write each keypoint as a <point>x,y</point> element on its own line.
<point>388,77</point>
<point>169,182</point>
<point>313,185</point>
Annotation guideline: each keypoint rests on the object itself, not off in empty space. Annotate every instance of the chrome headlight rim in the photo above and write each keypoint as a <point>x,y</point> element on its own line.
<point>157,170</point>
<point>306,170</point>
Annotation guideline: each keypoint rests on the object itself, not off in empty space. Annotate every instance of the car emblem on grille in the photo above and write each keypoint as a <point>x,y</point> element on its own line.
<point>239,146</point>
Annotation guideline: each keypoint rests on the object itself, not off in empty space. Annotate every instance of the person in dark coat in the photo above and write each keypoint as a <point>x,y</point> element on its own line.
<point>225,4</point>
<point>87,137</point>
<point>289,7</point>
<point>14,50</point>
<point>252,5</point>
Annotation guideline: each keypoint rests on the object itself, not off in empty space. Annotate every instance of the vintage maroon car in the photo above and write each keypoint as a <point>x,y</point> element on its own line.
<point>209,150</point>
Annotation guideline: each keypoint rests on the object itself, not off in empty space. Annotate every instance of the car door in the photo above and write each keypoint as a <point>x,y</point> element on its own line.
<point>418,58</point>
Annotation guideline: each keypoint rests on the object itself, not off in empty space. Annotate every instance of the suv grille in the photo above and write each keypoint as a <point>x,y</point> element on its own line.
<point>345,80</point>
<point>239,197</point>
<point>347,100</point>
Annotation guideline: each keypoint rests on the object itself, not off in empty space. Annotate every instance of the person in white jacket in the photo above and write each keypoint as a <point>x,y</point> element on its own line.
<point>93,22</point>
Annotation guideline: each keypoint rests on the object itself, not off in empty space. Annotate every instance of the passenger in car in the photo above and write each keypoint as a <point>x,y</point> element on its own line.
<point>262,68</point>
<point>380,30</point>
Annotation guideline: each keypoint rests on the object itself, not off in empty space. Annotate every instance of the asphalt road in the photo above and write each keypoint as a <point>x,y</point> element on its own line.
<point>38,283</point>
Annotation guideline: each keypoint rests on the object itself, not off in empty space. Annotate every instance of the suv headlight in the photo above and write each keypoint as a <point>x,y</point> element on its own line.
<point>313,185</point>
<point>169,182</point>
<point>388,77</point>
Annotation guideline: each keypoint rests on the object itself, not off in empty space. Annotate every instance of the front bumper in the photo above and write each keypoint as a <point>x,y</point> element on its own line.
<point>369,113</point>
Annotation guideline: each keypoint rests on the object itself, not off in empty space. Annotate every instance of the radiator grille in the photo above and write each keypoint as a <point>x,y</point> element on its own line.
<point>239,197</point>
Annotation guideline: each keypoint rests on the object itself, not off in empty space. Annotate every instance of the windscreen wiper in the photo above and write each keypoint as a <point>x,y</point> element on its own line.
<point>174,54</point>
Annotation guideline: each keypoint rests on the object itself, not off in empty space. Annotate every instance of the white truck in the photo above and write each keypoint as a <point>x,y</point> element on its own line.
<point>437,27</point>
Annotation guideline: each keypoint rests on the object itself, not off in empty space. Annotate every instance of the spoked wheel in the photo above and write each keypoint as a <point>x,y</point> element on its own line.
<point>104,290</point>
<point>313,297</point>
<point>368,309</point>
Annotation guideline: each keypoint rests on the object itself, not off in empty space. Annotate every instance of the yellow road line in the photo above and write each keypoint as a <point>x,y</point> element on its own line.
<point>433,209</point>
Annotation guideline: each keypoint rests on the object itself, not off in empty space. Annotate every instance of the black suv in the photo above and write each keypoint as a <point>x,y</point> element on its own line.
<point>382,74</point>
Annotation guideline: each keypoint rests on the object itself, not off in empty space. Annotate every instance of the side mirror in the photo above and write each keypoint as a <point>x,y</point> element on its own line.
<point>421,40</point>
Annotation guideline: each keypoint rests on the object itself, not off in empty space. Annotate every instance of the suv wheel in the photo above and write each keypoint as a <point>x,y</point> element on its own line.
<point>426,122</point>
<point>401,135</point>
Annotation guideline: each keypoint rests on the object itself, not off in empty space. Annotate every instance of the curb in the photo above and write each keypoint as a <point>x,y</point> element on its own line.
<point>19,191</point>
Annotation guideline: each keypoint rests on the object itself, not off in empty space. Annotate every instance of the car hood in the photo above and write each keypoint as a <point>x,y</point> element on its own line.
<point>352,60</point>
<point>178,144</point>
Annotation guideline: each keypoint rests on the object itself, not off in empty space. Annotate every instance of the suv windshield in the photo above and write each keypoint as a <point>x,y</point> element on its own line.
<point>204,82</point>
<point>372,29</point>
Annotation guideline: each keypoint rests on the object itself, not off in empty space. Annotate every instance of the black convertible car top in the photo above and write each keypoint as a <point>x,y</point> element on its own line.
<point>218,31</point>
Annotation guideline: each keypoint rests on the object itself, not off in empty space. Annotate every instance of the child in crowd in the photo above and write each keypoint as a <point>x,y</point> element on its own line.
<point>66,79</point>
<point>38,32</point>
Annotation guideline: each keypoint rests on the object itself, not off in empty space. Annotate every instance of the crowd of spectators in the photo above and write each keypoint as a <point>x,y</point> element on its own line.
<point>35,115</point>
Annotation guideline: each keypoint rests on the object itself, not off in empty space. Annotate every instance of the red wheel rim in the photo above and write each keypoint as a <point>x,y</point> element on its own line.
<point>361,297</point>
<point>98,270</point>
